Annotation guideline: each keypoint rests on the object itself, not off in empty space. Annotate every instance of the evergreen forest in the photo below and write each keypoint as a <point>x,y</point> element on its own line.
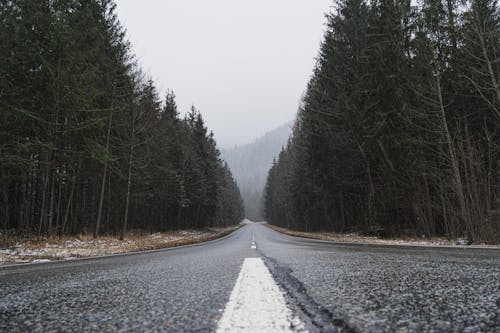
<point>398,132</point>
<point>250,164</point>
<point>87,145</point>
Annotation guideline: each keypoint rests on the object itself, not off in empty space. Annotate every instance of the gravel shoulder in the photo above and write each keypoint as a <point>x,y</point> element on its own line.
<point>13,251</point>
<point>353,238</point>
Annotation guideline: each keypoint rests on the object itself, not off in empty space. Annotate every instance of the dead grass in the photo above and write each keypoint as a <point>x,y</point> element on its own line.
<point>16,250</point>
<point>358,239</point>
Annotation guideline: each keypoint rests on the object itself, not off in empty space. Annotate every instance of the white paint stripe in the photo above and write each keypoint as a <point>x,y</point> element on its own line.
<point>257,304</point>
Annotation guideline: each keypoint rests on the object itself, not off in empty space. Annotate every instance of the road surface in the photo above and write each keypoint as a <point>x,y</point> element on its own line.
<point>288,283</point>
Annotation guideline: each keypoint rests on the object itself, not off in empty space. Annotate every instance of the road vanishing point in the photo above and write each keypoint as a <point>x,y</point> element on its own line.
<point>259,280</point>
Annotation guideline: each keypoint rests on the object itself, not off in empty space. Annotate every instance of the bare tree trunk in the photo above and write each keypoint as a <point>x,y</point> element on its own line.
<point>129,173</point>
<point>51,204</point>
<point>487,183</point>
<point>491,72</point>
<point>417,203</point>
<point>58,210</point>
<point>428,208</point>
<point>129,183</point>
<point>42,209</point>
<point>457,180</point>
<point>371,195</point>
<point>179,217</point>
<point>33,196</point>
<point>104,174</point>
<point>27,204</point>
<point>371,187</point>
<point>342,210</point>
<point>108,211</point>
<point>448,228</point>
<point>55,142</point>
<point>5,192</point>
<point>68,205</point>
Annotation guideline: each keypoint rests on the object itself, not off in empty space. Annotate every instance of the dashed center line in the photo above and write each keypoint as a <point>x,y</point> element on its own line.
<point>254,245</point>
<point>257,304</point>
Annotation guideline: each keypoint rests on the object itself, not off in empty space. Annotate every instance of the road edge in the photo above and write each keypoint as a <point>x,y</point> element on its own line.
<point>310,236</point>
<point>216,238</point>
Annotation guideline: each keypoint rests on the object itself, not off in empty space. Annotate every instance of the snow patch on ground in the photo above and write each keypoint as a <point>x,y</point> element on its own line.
<point>359,239</point>
<point>84,246</point>
<point>41,260</point>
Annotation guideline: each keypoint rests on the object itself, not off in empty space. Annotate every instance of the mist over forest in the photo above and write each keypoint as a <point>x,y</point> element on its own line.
<point>250,164</point>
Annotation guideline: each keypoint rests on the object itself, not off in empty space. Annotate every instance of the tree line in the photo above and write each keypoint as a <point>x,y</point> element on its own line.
<point>398,132</point>
<point>86,143</point>
<point>250,164</point>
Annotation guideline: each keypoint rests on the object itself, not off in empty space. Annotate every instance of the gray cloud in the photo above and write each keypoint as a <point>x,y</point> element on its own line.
<point>244,64</point>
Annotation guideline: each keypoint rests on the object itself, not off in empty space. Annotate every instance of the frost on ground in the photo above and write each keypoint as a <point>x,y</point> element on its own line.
<point>25,251</point>
<point>358,239</point>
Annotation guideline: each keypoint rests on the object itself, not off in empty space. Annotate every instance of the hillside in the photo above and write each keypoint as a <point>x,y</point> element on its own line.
<point>250,163</point>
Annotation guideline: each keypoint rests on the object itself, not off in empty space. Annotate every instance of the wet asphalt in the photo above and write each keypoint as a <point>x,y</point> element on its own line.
<point>331,287</point>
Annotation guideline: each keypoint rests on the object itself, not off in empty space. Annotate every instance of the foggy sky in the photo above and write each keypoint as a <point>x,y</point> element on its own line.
<point>243,64</point>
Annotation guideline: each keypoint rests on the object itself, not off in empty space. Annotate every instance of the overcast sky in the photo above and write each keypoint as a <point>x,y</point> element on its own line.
<point>243,63</point>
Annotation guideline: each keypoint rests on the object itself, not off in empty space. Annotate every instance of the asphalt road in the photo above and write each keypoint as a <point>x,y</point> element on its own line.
<point>330,287</point>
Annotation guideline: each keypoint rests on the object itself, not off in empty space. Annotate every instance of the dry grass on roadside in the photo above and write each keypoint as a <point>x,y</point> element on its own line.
<point>14,250</point>
<point>358,239</point>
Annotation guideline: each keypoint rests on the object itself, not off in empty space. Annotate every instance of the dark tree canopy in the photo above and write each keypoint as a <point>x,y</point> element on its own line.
<point>399,129</point>
<point>86,143</point>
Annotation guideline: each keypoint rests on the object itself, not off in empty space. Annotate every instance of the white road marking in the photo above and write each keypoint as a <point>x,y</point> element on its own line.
<point>257,304</point>
<point>254,245</point>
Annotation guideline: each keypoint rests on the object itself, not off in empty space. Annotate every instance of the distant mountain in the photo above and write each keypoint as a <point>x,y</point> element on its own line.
<point>250,164</point>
